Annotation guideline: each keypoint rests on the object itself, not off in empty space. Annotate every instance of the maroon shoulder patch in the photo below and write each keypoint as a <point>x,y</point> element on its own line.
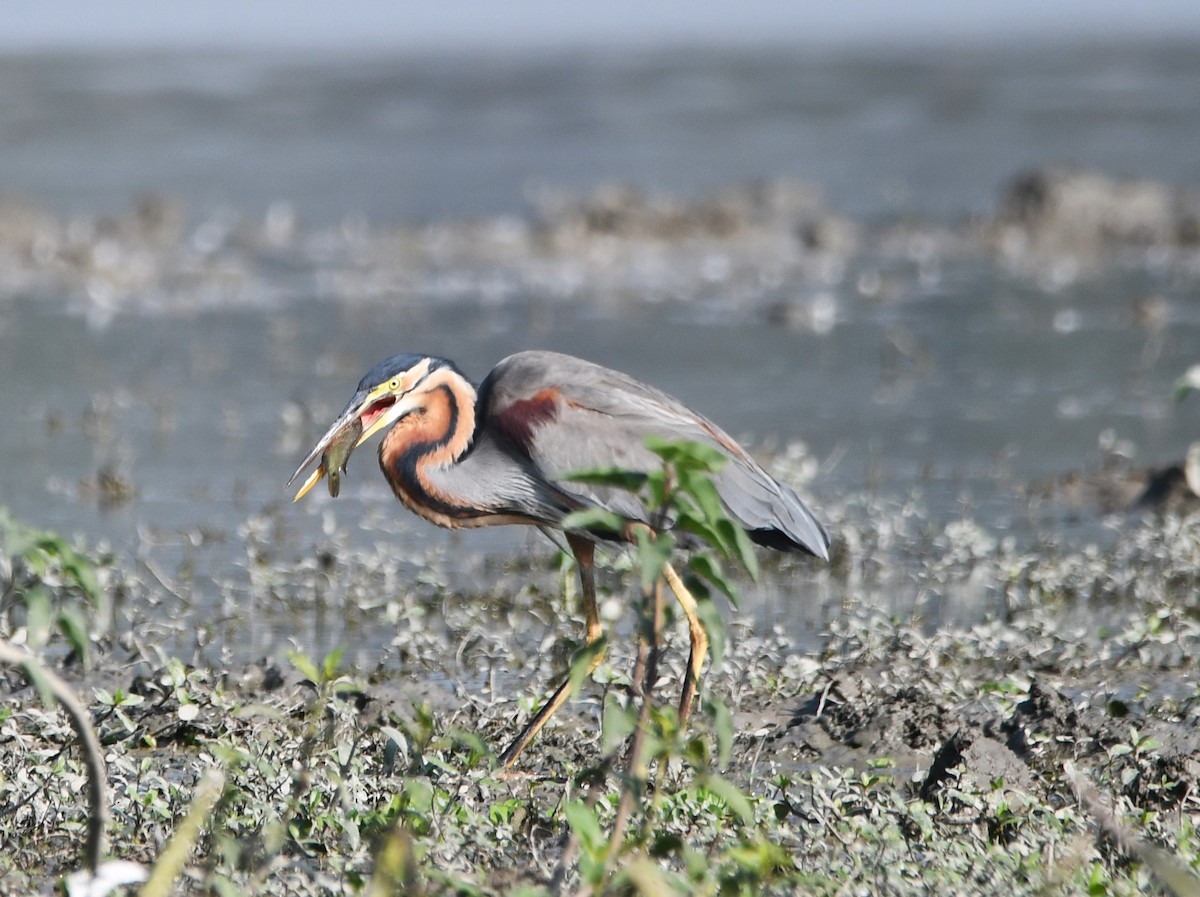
<point>519,420</point>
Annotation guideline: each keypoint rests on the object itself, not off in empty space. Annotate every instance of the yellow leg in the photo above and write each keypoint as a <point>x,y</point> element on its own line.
<point>584,552</point>
<point>699,637</point>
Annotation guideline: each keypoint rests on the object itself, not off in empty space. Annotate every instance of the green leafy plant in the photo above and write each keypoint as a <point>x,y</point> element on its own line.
<point>616,855</point>
<point>46,585</point>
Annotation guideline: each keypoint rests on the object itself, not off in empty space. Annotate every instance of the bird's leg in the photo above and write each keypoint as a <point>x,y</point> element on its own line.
<point>585,553</point>
<point>699,637</point>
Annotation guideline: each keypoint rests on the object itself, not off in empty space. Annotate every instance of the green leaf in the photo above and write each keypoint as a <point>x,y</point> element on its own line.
<point>618,724</point>
<point>723,726</point>
<point>502,811</point>
<point>396,867</point>
<point>329,666</point>
<point>709,568</point>
<point>647,879</point>
<point>34,673</point>
<point>583,822</point>
<point>735,801</point>
<point>83,572</point>
<point>594,519</point>
<point>395,736</point>
<point>653,554</point>
<point>656,488</point>
<point>304,667</point>
<point>225,888</point>
<point>39,611</point>
<point>703,529</point>
<point>418,794</point>
<point>617,477</point>
<point>74,628</point>
<point>695,862</point>
<point>124,698</point>
<point>585,659</point>
<point>743,548</point>
<point>687,454</point>
<point>474,744</point>
<point>700,487</point>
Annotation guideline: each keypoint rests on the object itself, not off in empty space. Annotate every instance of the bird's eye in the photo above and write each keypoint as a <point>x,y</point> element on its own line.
<point>395,384</point>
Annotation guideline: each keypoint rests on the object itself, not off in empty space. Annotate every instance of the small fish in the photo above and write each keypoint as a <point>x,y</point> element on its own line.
<point>335,448</point>
<point>337,456</point>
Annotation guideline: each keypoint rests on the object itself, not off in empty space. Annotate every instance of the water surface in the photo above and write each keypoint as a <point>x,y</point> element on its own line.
<point>961,381</point>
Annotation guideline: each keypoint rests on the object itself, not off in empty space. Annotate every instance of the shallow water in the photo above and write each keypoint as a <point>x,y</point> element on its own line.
<point>959,379</point>
<point>442,136</point>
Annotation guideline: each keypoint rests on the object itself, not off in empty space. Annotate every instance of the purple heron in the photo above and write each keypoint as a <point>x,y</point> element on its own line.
<point>465,456</point>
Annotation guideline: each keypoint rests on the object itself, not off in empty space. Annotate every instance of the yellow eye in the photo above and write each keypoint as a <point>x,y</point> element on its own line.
<point>395,384</point>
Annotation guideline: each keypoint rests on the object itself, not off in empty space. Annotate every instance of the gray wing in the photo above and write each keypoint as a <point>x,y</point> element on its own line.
<point>566,414</point>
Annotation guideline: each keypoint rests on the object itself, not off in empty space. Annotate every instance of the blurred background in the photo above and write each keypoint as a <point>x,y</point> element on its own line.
<point>940,255</point>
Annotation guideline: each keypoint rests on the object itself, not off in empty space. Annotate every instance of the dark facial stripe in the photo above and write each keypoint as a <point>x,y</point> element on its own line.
<point>419,455</point>
<point>438,435</point>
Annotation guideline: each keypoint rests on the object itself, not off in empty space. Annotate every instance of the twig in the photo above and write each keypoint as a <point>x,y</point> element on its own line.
<point>170,861</point>
<point>1165,865</point>
<point>824,695</point>
<point>93,756</point>
<point>634,771</point>
<point>396,868</point>
<point>567,858</point>
<point>645,674</point>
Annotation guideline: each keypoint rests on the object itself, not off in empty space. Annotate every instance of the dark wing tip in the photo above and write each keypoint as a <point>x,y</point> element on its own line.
<point>815,542</point>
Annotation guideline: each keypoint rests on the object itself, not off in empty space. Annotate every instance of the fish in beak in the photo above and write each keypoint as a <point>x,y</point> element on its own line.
<point>383,397</point>
<point>335,448</point>
<point>368,413</point>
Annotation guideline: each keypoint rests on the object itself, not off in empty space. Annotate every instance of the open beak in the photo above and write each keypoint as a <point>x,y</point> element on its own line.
<point>367,414</point>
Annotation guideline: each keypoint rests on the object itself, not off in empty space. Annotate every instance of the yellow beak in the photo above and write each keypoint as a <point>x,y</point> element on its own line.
<point>313,479</point>
<point>347,425</point>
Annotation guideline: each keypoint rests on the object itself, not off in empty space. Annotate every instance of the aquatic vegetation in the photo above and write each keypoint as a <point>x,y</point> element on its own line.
<point>47,584</point>
<point>893,756</point>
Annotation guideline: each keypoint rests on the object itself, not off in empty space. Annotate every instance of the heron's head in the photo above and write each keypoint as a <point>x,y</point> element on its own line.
<point>389,391</point>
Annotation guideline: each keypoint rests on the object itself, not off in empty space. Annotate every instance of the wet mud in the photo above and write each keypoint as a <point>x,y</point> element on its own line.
<point>939,746</point>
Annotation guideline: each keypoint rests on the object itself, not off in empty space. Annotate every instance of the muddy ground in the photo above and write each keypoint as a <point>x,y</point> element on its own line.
<point>896,757</point>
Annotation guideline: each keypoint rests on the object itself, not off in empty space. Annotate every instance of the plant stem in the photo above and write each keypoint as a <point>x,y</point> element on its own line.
<point>645,674</point>
<point>93,756</point>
